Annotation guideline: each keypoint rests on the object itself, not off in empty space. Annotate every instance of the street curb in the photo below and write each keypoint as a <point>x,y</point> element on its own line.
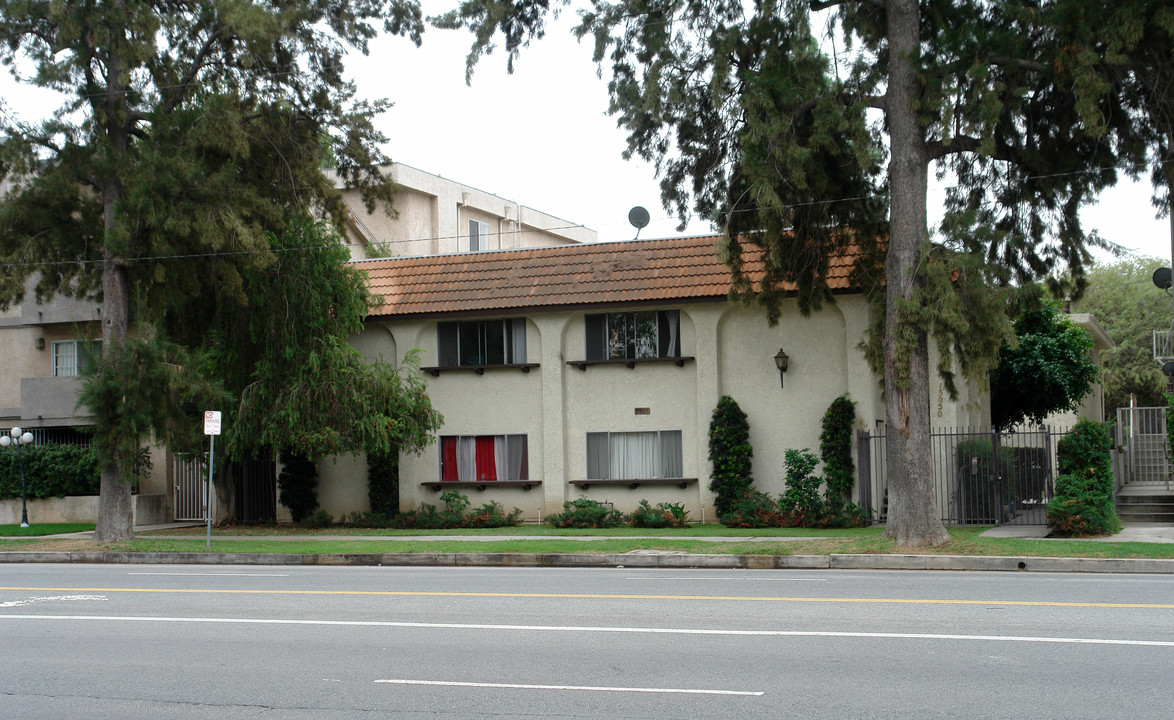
<point>633,560</point>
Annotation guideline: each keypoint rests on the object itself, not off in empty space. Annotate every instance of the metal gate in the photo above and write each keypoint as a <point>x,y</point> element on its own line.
<point>1145,449</point>
<point>191,483</point>
<point>981,477</point>
<point>255,487</point>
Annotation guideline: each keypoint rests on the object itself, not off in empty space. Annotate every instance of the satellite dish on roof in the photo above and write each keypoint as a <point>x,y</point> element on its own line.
<point>1163,278</point>
<point>638,216</point>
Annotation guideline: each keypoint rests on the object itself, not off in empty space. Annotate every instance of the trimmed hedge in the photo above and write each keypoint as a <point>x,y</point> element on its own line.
<point>1083,504</point>
<point>50,471</point>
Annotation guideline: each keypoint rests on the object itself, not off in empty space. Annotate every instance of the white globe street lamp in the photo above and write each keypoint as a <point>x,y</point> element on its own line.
<point>18,437</point>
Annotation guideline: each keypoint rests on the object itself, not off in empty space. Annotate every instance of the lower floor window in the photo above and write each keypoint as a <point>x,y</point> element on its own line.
<point>484,458</point>
<point>634,455</point>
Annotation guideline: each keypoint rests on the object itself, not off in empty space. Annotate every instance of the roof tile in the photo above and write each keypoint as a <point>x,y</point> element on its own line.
<point>589,274</point>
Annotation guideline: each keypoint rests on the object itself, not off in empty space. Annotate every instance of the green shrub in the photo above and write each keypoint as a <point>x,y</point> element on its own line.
<point>835,449</point>
<point>491,515</point>
<point>50,470</point>
<point>297,484</point>
<point>1170,419</point>
<point>801,498</point>
<point>671,515</point>
<point>453,515</point>
<point>584,513</point>
<point>729,454</point>
<point>1083,504</point>
<point>755,509</point>
<point>383,483</point>
<point>317,519</point>
<point>1087,445</point>
<point>426,517</point>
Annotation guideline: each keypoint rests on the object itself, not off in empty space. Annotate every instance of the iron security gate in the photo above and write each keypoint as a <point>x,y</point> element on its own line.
<point>981,477</point>
<point>191,478</point>
<point>1145,450</point>
<point>255,487</point>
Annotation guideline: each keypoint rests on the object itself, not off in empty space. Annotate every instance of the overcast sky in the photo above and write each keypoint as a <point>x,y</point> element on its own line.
<point>542,137</point>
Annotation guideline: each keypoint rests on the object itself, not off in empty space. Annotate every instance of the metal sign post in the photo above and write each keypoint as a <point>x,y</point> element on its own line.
<point>211,429</point>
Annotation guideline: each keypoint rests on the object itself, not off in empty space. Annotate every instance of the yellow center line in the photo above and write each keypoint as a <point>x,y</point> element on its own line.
<point>598,596</point>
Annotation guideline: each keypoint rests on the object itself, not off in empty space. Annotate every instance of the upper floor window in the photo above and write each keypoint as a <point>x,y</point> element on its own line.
<point>634,455</point>
<point>73,357</point>
<point>478,235</point>
<point>634,335</point>
<point>481,342</point>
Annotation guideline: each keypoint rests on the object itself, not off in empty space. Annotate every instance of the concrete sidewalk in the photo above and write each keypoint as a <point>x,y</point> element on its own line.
<point>639,558</point>
<point>1134,532</point>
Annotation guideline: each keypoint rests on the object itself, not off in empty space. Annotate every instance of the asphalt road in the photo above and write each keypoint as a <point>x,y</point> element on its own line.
<point>334,642</point>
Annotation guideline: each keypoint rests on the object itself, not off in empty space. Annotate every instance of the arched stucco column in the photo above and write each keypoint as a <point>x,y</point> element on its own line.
<point>705,323</point>
<point>551,328</point>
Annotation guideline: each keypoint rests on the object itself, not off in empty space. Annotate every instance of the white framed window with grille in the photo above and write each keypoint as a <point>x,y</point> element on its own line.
<point>634,455</point>
<point>478,235</point>
<point>73,357</point>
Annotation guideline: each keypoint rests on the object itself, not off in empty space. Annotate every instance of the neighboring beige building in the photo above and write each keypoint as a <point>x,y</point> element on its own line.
<point>438,216</point>
<point>1093,405</point>
<point>593,371</point>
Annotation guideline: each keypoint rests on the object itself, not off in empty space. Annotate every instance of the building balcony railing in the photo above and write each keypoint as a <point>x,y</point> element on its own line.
<point>1163,349</point>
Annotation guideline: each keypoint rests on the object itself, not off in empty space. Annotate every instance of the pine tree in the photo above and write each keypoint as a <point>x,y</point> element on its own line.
<point>189,133</point>
<point>755,126</point>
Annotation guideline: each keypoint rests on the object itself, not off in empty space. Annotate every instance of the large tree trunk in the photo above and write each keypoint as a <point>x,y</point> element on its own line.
<point>115,510</point>
<point>225,496</point>
<point>913,517</point>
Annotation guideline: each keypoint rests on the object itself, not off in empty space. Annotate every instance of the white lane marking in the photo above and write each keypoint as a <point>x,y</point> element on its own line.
<point>52,598</point>
<point>601,629</point>
<point>182,574</point>
<point>513,686</point>
<point>758,578</point>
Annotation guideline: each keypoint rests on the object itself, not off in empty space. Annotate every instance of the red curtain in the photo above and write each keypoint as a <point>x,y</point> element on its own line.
<point>448,464</point>
<point>486,465</point>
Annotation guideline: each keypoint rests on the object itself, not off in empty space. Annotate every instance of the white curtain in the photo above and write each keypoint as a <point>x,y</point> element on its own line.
<point>499,457</point>
<point>674,323</point>
<point>518,341</point>
<point>467,458</point>
<point>634,455</point>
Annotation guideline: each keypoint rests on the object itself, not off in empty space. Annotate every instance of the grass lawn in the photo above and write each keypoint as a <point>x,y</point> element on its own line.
<point>790,541</point>
<point>44,529</point>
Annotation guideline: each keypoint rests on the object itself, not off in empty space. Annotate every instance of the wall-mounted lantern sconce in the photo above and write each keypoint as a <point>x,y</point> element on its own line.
<point>781,359</point>
<point>39,343</point>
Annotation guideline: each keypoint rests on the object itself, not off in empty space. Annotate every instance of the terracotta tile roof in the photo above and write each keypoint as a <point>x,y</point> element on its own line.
<point>607,273</point>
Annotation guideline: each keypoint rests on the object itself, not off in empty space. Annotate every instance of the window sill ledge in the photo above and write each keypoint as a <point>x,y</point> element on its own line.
<point>479,369</point>
<point>481,485</point>
<point>633,484</point>
<point>631,362</point>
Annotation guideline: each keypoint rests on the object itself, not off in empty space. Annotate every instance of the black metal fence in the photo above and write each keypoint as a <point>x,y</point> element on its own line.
<point>981,477</point>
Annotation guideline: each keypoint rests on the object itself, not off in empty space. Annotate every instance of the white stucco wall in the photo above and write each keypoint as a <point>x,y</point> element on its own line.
<point>731,351</point>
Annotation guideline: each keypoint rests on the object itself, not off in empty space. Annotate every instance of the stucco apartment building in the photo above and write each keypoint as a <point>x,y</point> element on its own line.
<point>43,347</point>
<point>593,371</point>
